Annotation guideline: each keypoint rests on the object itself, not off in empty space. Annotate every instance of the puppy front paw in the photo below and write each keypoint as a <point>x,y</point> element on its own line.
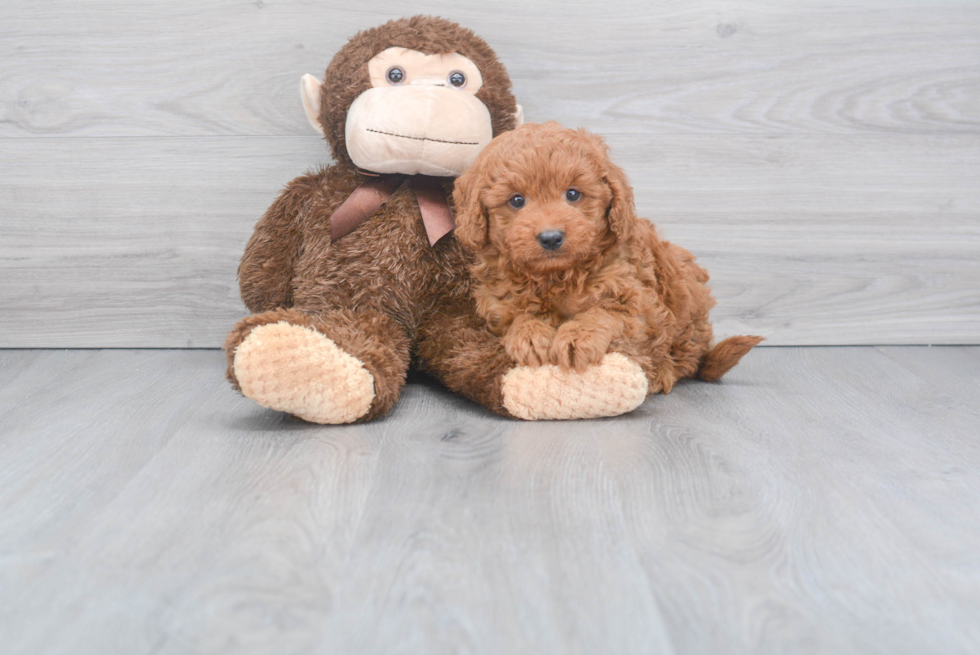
<point>528,342</point>
<point>578,346</point>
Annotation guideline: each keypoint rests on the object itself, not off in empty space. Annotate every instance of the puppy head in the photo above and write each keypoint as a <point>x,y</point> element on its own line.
<point>543,197</point>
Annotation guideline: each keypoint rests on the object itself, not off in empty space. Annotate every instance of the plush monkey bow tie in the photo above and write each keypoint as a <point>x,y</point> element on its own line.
<point>374,192</point>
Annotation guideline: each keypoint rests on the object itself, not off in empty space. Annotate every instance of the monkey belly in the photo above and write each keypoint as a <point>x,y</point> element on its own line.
<point>386,264</point>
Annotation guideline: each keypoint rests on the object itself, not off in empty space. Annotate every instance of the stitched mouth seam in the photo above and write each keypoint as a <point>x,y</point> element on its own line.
<point>422,138</point>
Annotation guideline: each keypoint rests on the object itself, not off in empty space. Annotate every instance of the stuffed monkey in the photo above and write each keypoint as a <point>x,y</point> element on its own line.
<point>353,273</point>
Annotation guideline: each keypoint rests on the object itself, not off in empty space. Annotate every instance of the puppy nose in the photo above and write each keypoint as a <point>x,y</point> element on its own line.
<point>551,239</point>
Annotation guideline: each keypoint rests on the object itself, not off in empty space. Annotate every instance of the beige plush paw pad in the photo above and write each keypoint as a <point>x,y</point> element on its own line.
<point>296,369</point>
<point>615,386</point>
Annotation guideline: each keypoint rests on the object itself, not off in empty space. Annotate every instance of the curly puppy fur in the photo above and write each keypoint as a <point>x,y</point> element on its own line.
<point>611,285</point>
<point>382,293</point>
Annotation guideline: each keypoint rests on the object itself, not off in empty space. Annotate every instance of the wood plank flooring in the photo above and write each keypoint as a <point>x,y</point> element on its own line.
<point>819,500</point>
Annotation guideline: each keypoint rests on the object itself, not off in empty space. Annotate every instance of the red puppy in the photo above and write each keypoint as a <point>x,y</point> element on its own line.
<point>565,270</point>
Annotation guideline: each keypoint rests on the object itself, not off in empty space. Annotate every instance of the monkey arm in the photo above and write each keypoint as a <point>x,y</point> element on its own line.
<point>266,270</point>
<point>295,220</point>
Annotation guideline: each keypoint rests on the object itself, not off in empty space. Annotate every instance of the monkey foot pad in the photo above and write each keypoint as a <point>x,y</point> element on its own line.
<point>615,386</point>
<point>295,369</point>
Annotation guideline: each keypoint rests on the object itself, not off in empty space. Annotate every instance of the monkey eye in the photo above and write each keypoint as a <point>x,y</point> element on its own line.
<point>516,201</point>
<point>395,75</point>
<point>457,79</point>
<point>572,195</point>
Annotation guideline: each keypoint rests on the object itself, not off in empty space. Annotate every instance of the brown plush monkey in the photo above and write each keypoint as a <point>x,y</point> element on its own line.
<point>352,274</point>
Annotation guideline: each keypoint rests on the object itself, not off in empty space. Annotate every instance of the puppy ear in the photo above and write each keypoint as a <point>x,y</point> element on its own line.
<point>621,212</point>
<point>472,223</point>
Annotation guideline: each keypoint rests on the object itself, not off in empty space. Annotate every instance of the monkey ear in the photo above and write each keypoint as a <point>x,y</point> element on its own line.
<point>309,91</point>
<point>518,117</point>
<point>472,224</point>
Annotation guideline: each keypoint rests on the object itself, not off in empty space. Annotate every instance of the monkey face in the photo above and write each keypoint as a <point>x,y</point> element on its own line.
<point>415,95</point>
<point>421,115</point>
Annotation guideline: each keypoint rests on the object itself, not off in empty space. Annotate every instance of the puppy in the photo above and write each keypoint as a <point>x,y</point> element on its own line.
<point>565,271</point>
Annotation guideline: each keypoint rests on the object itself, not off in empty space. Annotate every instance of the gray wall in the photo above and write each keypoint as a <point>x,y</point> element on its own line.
<point>823,161</point>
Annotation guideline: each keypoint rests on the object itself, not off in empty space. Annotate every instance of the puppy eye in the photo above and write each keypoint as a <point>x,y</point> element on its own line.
<point>572,195</point>
<point>457,79</point>
<point>516,201</point>
<point>395,75</point>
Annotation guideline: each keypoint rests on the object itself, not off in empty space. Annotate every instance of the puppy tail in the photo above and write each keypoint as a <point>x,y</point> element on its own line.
<point>725,355</point>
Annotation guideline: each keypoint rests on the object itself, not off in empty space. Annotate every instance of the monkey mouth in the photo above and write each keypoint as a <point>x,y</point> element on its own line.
<point>422,138</point>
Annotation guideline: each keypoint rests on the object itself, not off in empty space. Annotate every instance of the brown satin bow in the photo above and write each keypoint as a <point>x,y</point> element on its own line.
<point>366,199</point>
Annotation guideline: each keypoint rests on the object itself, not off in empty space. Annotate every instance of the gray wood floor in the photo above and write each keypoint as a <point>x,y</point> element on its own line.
<point>819,500</point>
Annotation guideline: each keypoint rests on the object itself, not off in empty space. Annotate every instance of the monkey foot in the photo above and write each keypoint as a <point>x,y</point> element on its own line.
<point>296,369</point>
<point>615,386</point>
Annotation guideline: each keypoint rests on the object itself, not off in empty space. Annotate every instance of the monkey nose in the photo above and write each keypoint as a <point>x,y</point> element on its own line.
<point>428,80</point>
<point>551,239</point>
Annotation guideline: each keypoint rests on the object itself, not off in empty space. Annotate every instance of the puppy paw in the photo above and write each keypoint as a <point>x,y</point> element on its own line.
<point>577,346</point>
<point>615,386</point>
<point>296,369</point>
<point>528,342</point>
